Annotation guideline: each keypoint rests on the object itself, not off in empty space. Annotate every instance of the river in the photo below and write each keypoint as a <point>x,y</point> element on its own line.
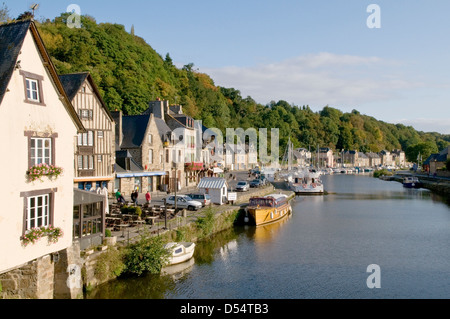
<point>322,251</point>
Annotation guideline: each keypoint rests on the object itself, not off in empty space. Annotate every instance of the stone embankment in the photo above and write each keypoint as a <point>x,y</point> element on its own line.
<point>440,185</point>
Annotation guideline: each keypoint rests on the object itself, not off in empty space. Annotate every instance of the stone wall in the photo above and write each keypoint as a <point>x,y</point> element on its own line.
<point>31,281</point>
<point>45,278</point>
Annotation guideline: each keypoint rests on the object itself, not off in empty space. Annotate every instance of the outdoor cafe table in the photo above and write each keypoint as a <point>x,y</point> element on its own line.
<point>152,219</point>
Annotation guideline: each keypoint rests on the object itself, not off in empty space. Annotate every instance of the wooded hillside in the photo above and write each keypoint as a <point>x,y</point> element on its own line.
<point>130,73</point>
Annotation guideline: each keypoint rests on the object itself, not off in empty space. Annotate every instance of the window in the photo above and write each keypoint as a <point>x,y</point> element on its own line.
<point>100,134</point>
<point>41,151</point>
<point>32,90</point>
<point>38,208</point>
<point>150,139</point>
<point>86,114</point>
<point>100,158</point>
<point>86,139</point>
<point>86,162</point>
<point>38,211</point>
<point>150,156</point>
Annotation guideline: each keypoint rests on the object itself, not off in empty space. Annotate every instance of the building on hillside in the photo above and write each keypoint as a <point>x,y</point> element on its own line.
<point>363,160</point>
<point>95,151</point>
<point>386,158</point>
<point>350,158</point>
<point>39,125</point>
<point>374,159</point>
<point>399,158</point>
<point>326,157</point>
<point>302,157</point>
<point>436,161</point>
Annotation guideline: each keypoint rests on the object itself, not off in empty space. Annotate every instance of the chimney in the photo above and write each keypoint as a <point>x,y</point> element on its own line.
<point>117,116</point>
<point>158,108</point>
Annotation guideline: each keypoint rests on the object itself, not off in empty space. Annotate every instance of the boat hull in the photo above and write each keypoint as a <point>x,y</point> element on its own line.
<point>412,185</point>
<point>186,253</point>
<point>264,216</point>
<point>300,189</point>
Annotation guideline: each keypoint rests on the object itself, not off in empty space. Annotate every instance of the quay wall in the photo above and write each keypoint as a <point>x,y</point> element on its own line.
<point>437,185</point>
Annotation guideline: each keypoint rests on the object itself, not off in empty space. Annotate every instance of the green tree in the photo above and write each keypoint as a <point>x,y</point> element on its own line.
<point>4,13</point>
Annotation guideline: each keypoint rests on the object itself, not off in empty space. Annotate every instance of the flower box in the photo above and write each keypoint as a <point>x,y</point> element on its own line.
<point>38,171</point>
<point>35,234</point>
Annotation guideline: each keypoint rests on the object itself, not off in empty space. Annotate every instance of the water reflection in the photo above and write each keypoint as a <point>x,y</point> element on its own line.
<point>267,233</point>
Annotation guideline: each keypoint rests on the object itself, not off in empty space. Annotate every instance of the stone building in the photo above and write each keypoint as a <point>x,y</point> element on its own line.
<point>140,155</point>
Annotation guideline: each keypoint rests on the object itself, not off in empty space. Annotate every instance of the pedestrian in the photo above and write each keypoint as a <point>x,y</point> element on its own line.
<point>133,197</point>
<point>148,198</point>
<point>136,194</point>
<point>120,198</point>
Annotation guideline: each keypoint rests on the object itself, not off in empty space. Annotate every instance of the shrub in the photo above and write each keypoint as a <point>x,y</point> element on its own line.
<point>148,255</point>
<point>206,224</point>
<point>110,264</point>
<point>108,233</point>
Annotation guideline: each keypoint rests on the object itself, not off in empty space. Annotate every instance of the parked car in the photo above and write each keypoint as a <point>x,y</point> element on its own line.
<point>256,183</point>
<point>183,201</point>
<point>242,186</point>
<point>204,199</point>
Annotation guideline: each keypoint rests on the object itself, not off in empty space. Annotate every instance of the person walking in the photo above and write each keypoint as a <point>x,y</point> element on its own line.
<point>148,198</point>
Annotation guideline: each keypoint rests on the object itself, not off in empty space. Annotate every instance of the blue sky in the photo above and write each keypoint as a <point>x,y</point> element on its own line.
<point>312,53</point>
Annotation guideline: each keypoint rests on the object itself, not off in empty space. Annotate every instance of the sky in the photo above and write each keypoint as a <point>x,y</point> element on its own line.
<point>391,61</point>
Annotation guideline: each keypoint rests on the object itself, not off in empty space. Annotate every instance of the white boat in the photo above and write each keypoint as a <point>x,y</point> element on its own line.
<point>181,252</point>
<point>302,181</point>
<point>305,183</point>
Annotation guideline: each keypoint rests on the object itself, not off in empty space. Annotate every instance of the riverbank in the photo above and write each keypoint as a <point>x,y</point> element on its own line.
<point>105,265</point>
<point>439,185</point>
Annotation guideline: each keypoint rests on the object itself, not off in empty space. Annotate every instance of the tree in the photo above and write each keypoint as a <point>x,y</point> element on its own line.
<point>425,149</point>
<point>4,13</point>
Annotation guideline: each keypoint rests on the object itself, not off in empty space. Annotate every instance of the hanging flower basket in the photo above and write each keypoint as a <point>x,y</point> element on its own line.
<point>34,234</point>
<point>38,171</point>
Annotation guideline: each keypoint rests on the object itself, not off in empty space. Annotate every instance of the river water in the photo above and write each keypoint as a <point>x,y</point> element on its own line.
<point>322,251</point>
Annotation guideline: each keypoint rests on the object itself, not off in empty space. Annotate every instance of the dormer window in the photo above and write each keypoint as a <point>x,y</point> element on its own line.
<point>33,88</point>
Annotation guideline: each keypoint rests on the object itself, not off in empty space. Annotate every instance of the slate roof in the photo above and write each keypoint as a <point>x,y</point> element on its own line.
<point>12,36</point>
<point>121,157</point>
<point>133,129</point>
<point>72,83</point>
<point>162,127</point>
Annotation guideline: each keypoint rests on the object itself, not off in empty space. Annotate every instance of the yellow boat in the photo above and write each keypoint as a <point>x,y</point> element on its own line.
<point>269,209</point>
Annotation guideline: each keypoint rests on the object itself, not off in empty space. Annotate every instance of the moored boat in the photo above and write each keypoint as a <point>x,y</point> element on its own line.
<point>269,209</point>
<point>180,252</point>
<point>306,183</point>
<point>411,182</point>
